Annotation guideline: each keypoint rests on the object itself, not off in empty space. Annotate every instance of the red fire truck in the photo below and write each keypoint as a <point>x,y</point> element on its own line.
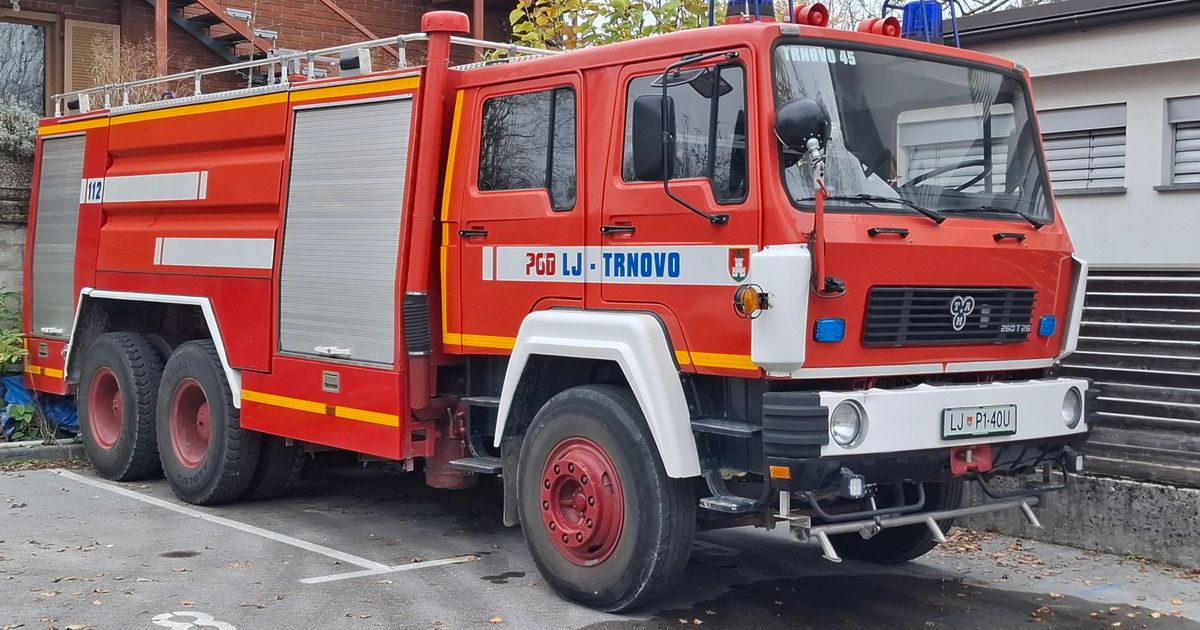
<point>753,274</point>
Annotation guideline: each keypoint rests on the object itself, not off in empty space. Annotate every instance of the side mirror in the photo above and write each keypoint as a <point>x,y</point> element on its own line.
<point>649,114</point>
<point>801,120</point>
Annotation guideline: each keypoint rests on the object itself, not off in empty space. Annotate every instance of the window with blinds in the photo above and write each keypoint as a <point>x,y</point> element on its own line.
<point>1086,159</point>
<point>82,42</point>
<point>1183,114</point>
<point>1085,147</point>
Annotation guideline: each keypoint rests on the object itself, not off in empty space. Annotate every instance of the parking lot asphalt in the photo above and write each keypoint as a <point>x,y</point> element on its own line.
<point>355,547</point>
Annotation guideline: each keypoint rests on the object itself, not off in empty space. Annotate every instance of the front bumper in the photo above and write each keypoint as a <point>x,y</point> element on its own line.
<point>903,434</point>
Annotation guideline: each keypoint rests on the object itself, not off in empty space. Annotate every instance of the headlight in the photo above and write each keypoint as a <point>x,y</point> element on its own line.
<point>1072,408</point>
<point>848,424</point>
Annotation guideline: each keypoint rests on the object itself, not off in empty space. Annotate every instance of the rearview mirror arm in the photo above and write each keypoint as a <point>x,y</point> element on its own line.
<point>668,159</point>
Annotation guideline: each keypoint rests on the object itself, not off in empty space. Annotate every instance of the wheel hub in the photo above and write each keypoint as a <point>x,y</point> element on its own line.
<point>191,423</point>
<point>106,408</point>
<point>583,505</point>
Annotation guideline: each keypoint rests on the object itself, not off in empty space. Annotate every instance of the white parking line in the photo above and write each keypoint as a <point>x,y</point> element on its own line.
<point>370,567</point>
<point>403,567</point>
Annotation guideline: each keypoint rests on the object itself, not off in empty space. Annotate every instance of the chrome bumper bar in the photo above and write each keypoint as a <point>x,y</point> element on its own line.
<point>802,529</point>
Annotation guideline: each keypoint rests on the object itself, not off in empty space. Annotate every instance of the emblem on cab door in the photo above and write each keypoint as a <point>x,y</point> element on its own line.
<point>739,263</point>
<point>960,307</point>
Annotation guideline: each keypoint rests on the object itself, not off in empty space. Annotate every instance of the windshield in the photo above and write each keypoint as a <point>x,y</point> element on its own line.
<point>950,138</point>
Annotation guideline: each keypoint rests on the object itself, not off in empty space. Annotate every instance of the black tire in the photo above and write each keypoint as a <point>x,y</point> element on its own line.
<point>899,545</point>
<point>222,465</point>
<point>658,516</point>
<point>119,438</point>
<point>279,465</point>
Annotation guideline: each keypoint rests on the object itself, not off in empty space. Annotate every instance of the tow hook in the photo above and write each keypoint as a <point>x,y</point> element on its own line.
<point>965,459</point>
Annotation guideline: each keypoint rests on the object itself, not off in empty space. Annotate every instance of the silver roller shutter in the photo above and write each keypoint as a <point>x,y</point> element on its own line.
<point>55,232</point>
<point>341,235</point>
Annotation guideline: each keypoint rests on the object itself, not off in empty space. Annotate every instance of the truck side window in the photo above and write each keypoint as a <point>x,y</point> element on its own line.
<point>529,143</point>
<point>710,132</point>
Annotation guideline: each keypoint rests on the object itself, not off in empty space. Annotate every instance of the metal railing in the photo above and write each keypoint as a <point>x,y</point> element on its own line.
<point>277,68</point>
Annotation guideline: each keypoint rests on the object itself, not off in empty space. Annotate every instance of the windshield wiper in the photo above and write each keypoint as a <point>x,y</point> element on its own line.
<point>871,200</point>
<point>1034,221</point>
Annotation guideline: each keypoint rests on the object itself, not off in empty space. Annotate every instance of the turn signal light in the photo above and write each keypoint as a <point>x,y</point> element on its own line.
<point>888,26</point>
<point>815,14</point>
<point>750,301</point>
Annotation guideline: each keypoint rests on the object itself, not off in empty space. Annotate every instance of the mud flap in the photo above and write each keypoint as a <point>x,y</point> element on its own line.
<point>510,453</point>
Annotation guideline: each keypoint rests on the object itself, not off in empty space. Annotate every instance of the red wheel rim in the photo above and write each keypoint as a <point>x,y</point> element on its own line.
<point>583,506</point>
<point>191,423</point>
<point>106,408</point>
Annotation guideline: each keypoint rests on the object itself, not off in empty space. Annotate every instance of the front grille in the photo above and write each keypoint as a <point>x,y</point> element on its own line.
<point>917,316</point>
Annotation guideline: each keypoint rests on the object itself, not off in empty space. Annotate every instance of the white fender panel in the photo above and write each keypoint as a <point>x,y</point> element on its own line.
<point>637,343</point>
<point>1075,307</point>
<point>233,376</point>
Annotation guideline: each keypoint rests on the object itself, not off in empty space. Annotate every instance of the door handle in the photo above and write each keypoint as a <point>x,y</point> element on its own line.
<point>473,233</point>
<point>333,351</point>
<point>617,229</point>
<point>876,231</point>
<point>1016,236</point>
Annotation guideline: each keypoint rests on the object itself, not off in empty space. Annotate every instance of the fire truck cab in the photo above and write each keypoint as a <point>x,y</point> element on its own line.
<point>752,274</point>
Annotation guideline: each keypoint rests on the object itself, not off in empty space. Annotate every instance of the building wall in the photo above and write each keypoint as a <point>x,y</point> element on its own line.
<point>1140,335</point>
<point>1141,65</point>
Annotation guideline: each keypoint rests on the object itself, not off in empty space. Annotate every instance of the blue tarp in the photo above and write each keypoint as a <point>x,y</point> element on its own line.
<point>59,410</point>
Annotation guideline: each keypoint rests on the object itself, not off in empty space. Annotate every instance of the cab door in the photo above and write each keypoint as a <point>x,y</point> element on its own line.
<point>520,232</point>
<point>654,249</point>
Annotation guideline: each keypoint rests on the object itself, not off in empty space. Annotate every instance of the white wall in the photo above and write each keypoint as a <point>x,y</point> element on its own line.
<point>1142,227</point>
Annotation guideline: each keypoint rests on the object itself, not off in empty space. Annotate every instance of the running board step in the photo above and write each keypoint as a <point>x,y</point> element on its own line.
<point>484,465</point>
<point>728,504</point>
<point>729,428</point>
<point>482,401</point>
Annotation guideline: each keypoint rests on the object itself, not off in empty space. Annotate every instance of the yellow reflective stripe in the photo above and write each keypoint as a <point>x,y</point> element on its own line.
<point>682,357</point>
<point>309,406</point>
<point>488,341</point>
<point>717,360</point>
<point>446,188</point>
<point>202,108</point>
<point>51,130</point>
<point>452,154</point>
<point>355,89</point>
<point>362,415</point>
<point>285,402</point>
<point>38,370</point>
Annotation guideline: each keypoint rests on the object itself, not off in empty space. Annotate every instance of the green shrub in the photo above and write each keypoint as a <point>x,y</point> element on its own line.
<point>18,129</point>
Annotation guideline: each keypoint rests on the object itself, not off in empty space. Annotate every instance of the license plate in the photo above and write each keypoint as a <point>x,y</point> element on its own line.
<point>969,422</point>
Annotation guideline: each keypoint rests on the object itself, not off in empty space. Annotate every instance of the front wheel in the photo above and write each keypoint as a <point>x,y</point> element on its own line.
<point>606,526</point>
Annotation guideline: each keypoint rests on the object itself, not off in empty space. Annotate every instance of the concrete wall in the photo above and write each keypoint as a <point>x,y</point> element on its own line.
<point>1142,65</point>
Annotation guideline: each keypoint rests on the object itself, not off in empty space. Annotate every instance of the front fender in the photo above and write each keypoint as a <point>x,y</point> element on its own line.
<point>638,344</point>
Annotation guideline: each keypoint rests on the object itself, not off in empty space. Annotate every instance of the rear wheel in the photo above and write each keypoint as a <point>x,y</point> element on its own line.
<point>894,546</point>
<point>606,526</point>
<point>206,455</point>
<point>279,465</point>
<point>116,404</point>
